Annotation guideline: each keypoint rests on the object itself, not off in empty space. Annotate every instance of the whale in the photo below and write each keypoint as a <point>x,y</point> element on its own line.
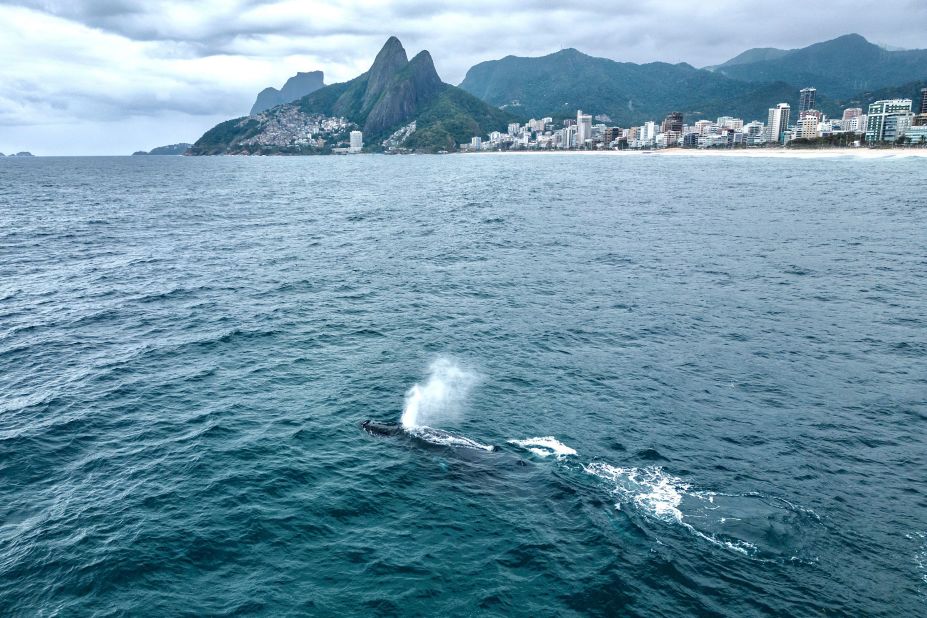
<point>428,435</point>
<point>377,428</point>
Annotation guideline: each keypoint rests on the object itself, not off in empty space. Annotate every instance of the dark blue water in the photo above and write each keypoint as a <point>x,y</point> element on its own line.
<point>736,349</point>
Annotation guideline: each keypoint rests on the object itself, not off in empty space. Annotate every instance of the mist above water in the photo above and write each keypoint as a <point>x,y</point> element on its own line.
<point>441,398</point>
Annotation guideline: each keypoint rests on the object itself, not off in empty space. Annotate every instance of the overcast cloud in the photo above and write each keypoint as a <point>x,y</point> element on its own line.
<point>113,76</point>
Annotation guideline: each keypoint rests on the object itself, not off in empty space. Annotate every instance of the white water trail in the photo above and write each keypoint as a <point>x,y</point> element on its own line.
<point>441,398</point>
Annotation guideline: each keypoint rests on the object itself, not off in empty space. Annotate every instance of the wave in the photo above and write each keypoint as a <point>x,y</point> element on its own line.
<point>544,447</point>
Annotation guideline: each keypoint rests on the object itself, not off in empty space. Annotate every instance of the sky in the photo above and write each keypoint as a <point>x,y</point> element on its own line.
<point>109,77</point>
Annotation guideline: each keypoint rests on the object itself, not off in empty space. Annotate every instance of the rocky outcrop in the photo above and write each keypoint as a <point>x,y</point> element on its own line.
<point>406,92</point>
<point>394,93</point>
<point>294,89</point>
<point>172,150</point>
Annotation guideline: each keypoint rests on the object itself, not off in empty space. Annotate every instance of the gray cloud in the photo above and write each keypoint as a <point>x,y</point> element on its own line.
<point>110,61</point>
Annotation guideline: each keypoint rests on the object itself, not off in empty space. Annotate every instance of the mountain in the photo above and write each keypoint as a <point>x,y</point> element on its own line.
<point>172,150</point>
<point>839,68</point>
<point>384,102</point>
<point>558,84</point>
<point>911,90</point>
<point>294,89</point>
<point>758,54</point>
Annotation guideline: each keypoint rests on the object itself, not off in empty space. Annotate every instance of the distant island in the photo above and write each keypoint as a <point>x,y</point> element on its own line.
<point>171,150</point>
<point>18,154</point>
<point>294,89</point>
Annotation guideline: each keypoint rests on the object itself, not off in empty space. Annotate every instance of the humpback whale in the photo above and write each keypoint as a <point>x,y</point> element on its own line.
<point>435,437</point>
<point>377,428</point>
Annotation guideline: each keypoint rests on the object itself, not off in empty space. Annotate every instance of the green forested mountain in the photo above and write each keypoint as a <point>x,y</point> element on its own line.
<point>559,84</point>
<point>391,95</point>
<point>746,86</point>
<point>838,69</point>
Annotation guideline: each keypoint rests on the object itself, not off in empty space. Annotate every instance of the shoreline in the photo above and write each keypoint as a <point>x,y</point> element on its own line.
<point>759,153</point>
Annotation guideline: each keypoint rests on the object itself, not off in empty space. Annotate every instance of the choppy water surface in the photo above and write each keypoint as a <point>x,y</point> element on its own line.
<point>705,382</point>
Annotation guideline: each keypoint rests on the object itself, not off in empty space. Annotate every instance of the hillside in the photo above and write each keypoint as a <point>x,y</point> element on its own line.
<point>394,93</point>
<point>839,68</point>
<point>171,150</point>
<point>558,84</point>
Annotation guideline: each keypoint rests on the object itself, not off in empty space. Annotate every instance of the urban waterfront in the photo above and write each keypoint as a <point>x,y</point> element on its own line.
<point>704,379</point>
<point>901,122</point>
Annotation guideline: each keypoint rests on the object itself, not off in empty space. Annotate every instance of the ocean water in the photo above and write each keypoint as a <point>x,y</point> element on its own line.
<point>642,386</point>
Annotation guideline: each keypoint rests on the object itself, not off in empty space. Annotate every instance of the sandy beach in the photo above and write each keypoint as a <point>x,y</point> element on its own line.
<point>756,153</point>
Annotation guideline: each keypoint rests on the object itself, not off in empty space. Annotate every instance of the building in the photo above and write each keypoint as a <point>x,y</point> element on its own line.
<point>702,127</point>
<point>357,141</point>
<point>476,144</point>
<point>778,123</point>
<point>583,128</point>
<point>806,99</point>
<point>808,127</point>
<point>811,113</point>
<point>916,135</point>
<point>854,121</point>
<point>729,122</point>
<point>611,134</point>
<point>648,132</point>
<point>754,134</point>
<point>569,137</point>
<point>888,120</point>
<point>921,119</point>
<point>673,123</point>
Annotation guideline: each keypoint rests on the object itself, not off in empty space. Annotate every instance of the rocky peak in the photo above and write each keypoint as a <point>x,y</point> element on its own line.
<point>391,59</point>
<point>423,74</point>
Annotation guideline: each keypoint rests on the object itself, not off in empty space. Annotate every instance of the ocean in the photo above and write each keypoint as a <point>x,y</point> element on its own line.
<point>653,386</point>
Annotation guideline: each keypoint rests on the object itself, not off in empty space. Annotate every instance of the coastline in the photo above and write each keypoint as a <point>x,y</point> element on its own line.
<point>758,153</point>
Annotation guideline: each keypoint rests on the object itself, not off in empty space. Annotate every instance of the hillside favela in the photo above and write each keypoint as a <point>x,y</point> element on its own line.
<point>484,309</point>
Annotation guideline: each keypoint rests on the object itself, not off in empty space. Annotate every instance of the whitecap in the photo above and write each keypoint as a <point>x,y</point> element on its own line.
<point>545,446</point>
<point>652,490</point>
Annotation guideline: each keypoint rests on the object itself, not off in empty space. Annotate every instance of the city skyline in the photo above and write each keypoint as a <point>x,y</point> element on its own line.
<point>85,78</point>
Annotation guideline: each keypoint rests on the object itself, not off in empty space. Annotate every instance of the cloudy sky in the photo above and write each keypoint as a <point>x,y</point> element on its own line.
<point>114,76</point>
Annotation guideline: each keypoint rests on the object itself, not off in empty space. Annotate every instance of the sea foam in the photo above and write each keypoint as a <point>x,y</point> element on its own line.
<point>545,447</point>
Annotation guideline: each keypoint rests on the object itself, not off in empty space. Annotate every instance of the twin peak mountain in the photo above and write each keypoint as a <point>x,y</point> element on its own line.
<point>394,93</point>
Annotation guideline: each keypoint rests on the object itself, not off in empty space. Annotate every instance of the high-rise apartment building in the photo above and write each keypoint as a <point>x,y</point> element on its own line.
<point>921,118</point>
<point>808,127</point>
<point>569,136</point>
<point>778,122</point>
<point>611,134</point>
<point>648,132</point>
<point>357,141</point>
<point>806,99</point>
<point>673,123</point>
<point>583,128</point>
<point>888,120</point>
